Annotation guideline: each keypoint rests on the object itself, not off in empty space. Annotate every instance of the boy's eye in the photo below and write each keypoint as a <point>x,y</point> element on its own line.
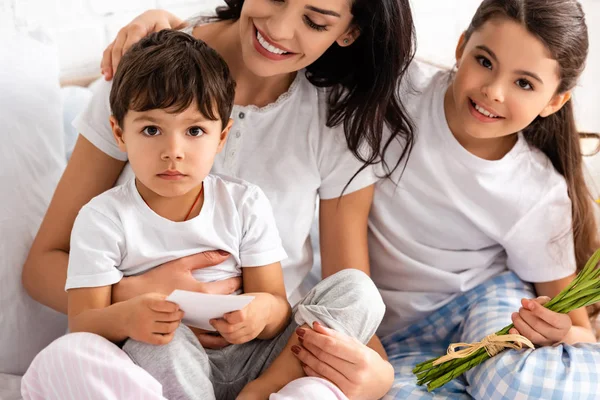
<point>524,84</point>
<point>151,131</point>
<point>195,131</point>
<point>484,62</point>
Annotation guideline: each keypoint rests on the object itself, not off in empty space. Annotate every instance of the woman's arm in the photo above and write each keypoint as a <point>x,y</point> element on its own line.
<point>343,232</point>
<point>88,173</point>
<point>360,371</point>
<point>343,238</point>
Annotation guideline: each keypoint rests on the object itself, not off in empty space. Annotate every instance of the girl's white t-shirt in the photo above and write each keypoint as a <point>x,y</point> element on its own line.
<point>285,148</point>
<point>450,221</point>
<point>116,234</point>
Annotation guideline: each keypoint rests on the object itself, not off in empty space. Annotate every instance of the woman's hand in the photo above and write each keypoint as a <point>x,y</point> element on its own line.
<point>143,25</point>
<point>176,274</point>
<point>540,325</point>
<point>356,369</point>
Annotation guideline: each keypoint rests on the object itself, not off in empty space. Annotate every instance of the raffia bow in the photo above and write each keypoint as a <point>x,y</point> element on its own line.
<point>493,344</point>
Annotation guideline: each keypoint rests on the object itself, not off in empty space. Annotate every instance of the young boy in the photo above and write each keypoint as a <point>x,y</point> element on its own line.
<point>171,100</point>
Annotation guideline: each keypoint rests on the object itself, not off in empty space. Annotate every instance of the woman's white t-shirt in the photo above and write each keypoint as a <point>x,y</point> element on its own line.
<point>285,148</point>
<point>450,221</point>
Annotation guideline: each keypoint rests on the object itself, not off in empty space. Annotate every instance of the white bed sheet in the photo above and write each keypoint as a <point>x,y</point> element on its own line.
<point>10,387</point>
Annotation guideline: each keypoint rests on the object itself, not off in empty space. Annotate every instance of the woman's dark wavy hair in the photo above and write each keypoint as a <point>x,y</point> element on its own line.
<point>561,26</point>
<point>364,77</point>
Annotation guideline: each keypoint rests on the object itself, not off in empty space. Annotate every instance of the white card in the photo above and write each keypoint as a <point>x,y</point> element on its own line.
<point>199,308</point>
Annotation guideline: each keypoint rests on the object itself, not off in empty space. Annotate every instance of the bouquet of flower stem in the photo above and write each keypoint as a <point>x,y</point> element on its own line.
<point>582,292</point>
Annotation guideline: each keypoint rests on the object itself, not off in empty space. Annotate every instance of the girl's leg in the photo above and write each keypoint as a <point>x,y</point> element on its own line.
<point>86,366</point>
<point>309,388</point>
<point>347,301</point>
<point>557,372</point>
<point>424,340</point>
<point>181,366</point>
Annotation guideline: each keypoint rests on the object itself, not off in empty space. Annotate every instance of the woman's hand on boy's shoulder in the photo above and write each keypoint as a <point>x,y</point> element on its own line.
<point>152,319</point>
<point>143,25</point>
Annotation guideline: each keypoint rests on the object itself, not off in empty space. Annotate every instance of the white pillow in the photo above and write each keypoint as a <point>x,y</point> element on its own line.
<point>31,162</point>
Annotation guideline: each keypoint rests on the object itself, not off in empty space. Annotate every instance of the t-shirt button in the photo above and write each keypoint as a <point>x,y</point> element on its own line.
<point>232,153</point>
<point>241,115</point>
<point>238,134</point>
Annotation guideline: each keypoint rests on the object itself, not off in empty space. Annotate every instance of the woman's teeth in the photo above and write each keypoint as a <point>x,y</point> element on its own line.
<point>267,46</point>
<point>483,111</point>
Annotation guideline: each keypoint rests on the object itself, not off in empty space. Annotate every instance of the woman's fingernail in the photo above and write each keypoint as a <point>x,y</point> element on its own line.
<point>300,332</point>
<point>223,252</point>
<point>296,349</point>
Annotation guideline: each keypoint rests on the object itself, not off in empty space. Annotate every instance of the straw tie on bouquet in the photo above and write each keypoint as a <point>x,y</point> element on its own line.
<point>493,344</point>
<point>583,291</point>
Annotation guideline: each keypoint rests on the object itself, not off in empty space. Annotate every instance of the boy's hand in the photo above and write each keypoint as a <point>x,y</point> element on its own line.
<point>246,324</point>
<point>152,319</point>
<point>540,325</point>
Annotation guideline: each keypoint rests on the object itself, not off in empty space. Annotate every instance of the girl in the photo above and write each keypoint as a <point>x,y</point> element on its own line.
<point>292,139</point>
<point>492,195</point>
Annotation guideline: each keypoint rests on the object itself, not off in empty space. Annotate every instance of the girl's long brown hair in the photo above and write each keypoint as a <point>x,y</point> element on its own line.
<point>560,25</point>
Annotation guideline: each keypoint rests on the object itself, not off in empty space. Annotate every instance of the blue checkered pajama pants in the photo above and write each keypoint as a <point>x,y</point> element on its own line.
<point>548,373</point>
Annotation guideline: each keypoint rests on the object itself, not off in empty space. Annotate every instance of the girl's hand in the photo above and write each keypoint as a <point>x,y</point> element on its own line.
<point>246,324</point>
<point>143,25</point>
<point>152,319</point>
<point>176,274</point>
<point>540,325</point>
<point>356,369</point>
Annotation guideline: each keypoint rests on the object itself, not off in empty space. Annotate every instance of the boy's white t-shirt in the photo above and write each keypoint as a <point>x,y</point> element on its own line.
<point>116,234</point>
<point>285,148</point>
<point>453,220</point>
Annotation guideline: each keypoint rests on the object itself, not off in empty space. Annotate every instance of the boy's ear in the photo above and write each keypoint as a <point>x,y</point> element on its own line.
<point>557,102</point>
<point>460,48</point>
<point>117,133</point>
<point>224,135</point>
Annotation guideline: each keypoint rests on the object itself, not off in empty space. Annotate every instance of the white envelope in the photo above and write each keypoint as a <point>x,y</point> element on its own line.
<point>199,308</point>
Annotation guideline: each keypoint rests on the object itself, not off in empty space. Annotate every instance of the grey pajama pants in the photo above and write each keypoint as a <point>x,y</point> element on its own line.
<point>348,302</point>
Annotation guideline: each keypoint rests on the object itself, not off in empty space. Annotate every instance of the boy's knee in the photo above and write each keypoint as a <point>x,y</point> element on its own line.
<point>347,301</point>
<point>360,286</point>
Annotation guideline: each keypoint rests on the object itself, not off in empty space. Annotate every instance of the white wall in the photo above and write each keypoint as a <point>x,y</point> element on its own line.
<point>83,28</point>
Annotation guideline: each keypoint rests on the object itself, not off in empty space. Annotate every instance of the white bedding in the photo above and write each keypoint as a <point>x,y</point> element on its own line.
<point>10,387</point>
